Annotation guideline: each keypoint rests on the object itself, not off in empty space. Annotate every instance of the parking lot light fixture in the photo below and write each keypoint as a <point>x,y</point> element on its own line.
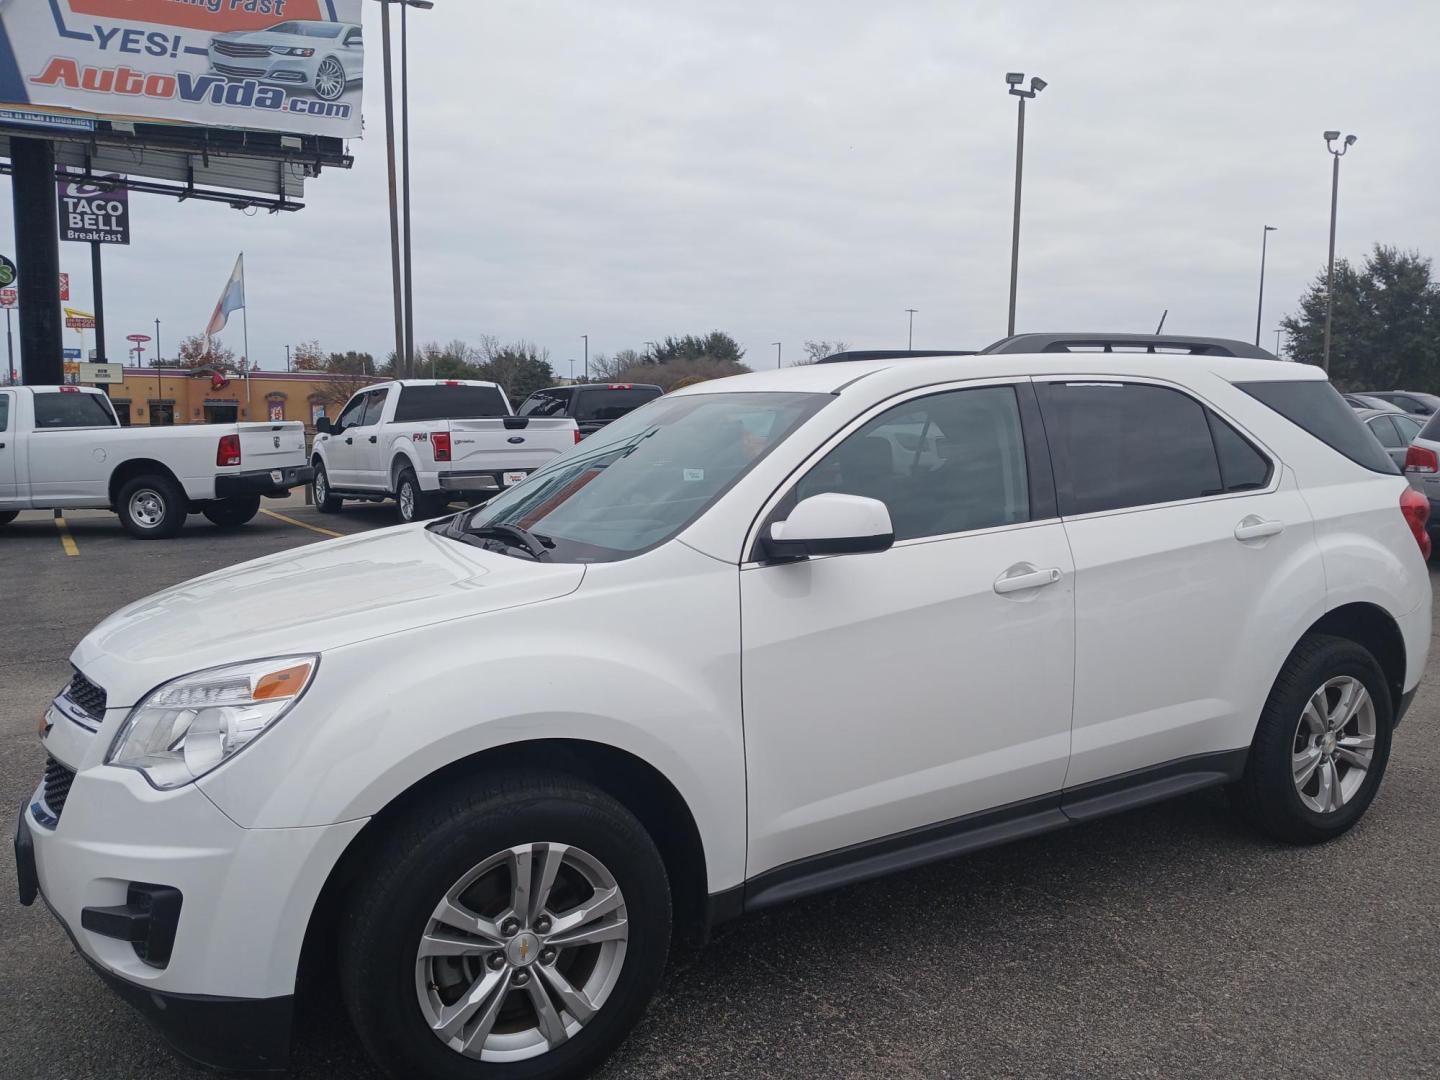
<point>1331,137</point>
<point>1015,81</point>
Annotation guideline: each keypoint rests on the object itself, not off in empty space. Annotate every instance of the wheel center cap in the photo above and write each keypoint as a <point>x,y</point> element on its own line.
<point>1327,744</point>
<point>523,950</point>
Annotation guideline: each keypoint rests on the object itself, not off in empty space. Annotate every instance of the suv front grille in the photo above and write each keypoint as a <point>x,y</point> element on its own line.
<point>88,696</point>
<point>57,785</point>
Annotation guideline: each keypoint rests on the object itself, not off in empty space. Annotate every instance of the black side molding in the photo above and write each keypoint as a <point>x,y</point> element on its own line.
<point>974,832</point>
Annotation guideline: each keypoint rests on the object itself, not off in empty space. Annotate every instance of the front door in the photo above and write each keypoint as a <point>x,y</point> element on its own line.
<point>341,456</point>
<point>888,692</point>
<point>1185,532</point>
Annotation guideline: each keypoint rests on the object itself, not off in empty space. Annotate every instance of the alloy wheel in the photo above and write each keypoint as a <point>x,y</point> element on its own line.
<point>407,501</point>
<point>522,952</point>
<point>330,79</point>
<point>322,489</point>
<point>1334,745</point>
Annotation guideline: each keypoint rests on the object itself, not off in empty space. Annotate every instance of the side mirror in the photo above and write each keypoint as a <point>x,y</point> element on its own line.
<point>831,524</point>
<point>323,426</point>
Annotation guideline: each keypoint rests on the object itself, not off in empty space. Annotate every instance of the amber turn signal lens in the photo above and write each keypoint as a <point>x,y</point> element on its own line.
<point>281,684</point>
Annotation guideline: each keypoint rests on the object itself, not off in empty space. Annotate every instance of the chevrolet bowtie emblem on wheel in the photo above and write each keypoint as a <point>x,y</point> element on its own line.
<point>524,951</point>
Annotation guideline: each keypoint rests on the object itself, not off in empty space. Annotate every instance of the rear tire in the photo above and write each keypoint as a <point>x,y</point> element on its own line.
<point>440,852</point>
<point>412,503</point>
<point>325,501</point>
<point>232,513</point>
<point>152,507</point>
<point>7,516</point>
<point>1321,746</point>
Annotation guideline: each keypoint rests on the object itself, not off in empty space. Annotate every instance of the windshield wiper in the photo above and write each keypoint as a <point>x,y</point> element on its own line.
<point>516,536</point>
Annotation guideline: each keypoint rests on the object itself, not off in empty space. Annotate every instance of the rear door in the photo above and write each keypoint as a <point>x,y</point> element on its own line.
<point>1184,533</point>
<point>371,472</point>
<point>9,490</point>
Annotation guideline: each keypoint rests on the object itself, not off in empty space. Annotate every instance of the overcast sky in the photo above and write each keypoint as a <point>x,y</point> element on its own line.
<point>792,170</point>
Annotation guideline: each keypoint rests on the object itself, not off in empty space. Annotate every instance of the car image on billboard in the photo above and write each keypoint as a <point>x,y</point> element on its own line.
<point>322,57</point>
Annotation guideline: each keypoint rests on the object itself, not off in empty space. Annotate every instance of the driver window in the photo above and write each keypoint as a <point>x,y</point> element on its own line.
<point>942,464</point>
<point>373,408</point>
<point>350,417</point>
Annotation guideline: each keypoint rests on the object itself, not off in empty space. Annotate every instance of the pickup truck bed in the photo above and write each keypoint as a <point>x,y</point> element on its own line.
<point>62,448</point>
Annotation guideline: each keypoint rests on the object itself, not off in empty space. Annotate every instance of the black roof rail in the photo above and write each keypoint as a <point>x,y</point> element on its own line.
<point>890,354</point>
<point>1180,343</point>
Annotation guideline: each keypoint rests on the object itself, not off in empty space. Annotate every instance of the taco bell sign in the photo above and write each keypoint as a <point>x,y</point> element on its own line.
<point>91,213</point>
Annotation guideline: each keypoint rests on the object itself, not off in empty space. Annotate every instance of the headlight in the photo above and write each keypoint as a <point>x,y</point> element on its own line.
<point>190,725</point>
<point>281,50</point>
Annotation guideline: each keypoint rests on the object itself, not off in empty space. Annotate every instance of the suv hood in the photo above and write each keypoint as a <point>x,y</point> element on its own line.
<point>306,600</point>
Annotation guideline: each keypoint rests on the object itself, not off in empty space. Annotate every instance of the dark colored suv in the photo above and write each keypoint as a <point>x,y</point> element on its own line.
<point>591,405</point>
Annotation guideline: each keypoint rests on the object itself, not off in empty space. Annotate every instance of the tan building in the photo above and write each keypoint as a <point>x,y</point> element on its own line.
<point>158,396</point>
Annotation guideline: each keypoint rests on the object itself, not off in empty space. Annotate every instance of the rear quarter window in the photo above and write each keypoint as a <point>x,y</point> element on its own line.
<point>1318,407</point>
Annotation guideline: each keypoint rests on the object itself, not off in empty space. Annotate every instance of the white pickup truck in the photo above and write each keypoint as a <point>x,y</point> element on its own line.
<point>427,442</point>
<point>62,448</point>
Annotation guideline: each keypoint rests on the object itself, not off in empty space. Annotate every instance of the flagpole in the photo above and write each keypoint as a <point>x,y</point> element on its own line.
<point>245,324</point>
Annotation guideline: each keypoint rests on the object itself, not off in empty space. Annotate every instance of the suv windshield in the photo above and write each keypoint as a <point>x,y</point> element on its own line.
<point>640,480</point>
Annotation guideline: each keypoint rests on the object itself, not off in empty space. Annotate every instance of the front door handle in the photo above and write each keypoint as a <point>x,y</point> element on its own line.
<point>374,438</point>
<point>1254,528</point>
<point>1022,577</point>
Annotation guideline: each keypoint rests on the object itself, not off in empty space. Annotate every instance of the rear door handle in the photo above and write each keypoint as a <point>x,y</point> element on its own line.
<point>1022,577</point>
<point>350,442</point>
<point>1254,528</point>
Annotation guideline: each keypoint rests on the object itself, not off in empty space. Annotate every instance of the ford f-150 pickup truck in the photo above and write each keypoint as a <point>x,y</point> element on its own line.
<point>62,448</point>
<point>427,442</point>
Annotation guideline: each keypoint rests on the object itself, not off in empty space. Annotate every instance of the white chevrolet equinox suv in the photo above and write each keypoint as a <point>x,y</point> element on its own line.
<point>762,637</point>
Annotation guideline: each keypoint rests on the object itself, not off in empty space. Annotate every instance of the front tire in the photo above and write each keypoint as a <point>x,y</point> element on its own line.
<point>1322,743</point>
<point>152,507</point>
<point>232,513</point>
<point>513,929</point>
<point>326,501</point>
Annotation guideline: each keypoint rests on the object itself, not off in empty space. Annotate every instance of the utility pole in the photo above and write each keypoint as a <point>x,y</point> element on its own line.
<point>910,342</point>
<point>159,355</point>
<point>1260,307</point>
<point>587,356</point>
<point>97,280</point>
<point>778,350</point>
<point>401,360</point>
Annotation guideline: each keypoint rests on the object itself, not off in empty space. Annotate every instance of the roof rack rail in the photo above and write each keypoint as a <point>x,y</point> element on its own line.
<point>1153,343</point>
<point>890,354</point>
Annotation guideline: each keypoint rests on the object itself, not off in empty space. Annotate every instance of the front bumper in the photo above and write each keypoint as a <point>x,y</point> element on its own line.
<point>223,994</point>
<point>274,482</point>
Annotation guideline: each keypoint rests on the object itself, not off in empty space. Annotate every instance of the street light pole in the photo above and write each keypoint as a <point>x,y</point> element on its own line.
<point>587,356</point>
<point>401,361</point>
<point>1330,137</point>
<point>910,342</point>
<point>1260,308</point>
<point>159,355</point>
<point>1014,79</point>
<point>779,349</point>
<point>1277,343</point>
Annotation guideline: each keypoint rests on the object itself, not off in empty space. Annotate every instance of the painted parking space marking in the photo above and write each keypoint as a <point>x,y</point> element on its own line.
<point>301,524</point>
<point>66,540</point>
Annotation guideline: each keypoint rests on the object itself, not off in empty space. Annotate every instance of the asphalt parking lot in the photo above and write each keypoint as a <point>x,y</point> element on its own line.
<point>1164,942</point>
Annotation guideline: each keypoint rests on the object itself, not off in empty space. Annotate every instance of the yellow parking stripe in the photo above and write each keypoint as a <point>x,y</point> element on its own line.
<point>301,524</point>
<point>66,540</point>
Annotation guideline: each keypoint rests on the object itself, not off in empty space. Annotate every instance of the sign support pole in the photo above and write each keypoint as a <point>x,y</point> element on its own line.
<point>101,357</point>
<point>10,347</point>
<point>37,250</point>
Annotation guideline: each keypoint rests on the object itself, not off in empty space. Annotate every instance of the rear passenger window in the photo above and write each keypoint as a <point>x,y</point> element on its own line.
<point>942,464</point>
<point>1384,431</point>
<point>4,412</point>
<point>1117,445</point>
<point>72,410</point>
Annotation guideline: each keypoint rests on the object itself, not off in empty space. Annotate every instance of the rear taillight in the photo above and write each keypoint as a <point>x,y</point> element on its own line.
<point>1421,460</point>
<point>228,452</point>
<point>578,436</point>
<point>440,443</point>
<point>1416,508</point>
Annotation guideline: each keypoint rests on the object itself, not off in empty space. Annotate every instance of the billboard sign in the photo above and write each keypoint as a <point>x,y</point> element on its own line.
<point>102,374</point>
<point>89,213</point>
<point>9,297</point>
<point>293,66</point>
